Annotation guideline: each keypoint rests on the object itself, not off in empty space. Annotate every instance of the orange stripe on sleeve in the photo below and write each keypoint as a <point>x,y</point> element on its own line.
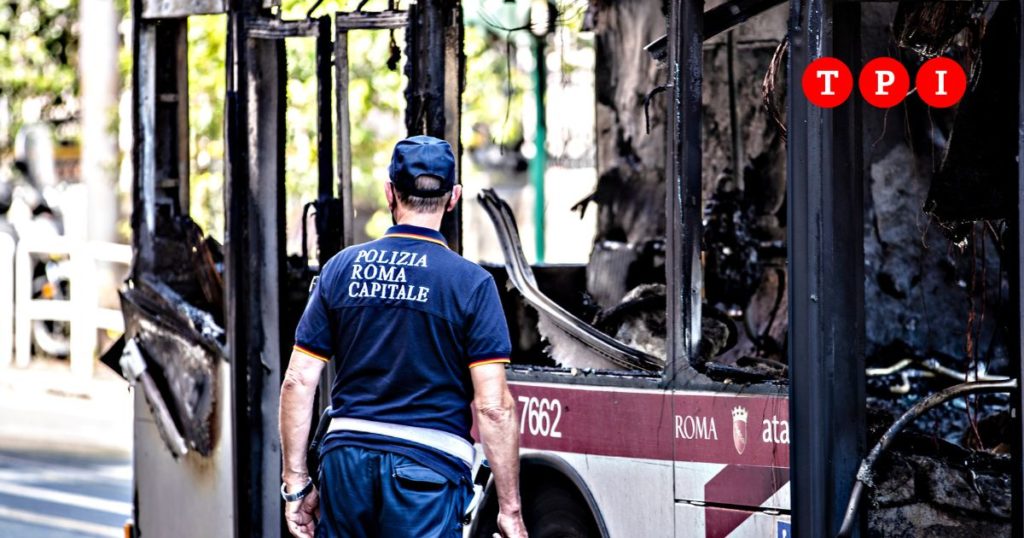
<point>482,362</point>
<point>419,237</point>
<point>309,353</point>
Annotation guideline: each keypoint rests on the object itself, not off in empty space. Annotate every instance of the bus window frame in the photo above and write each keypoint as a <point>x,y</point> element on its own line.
<point>684,208</point>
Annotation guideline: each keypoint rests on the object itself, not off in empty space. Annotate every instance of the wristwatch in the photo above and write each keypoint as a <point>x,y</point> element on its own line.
<point>298,495</point>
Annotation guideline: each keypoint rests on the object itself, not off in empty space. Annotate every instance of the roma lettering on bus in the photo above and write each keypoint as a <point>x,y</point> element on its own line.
<point>775,431</point>
<point>696,427</point>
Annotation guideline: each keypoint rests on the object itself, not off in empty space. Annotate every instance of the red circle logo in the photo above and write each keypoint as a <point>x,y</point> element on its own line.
<point>884,82</point>
<point>827,82</point>
<point>941,82</point>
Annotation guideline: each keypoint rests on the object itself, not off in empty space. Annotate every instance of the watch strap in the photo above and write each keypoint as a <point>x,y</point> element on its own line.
<point>298,495</point>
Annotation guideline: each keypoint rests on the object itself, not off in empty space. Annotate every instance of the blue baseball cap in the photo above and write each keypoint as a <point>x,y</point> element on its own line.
<point>422,155</point>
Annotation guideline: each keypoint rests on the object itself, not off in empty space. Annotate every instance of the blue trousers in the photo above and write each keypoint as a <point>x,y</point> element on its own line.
<point>369,494</point>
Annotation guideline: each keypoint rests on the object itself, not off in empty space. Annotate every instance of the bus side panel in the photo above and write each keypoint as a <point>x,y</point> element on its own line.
<point>190,496</point>
<point>619,442</point>
<point>633,496</point>
<point>731,449</point>
<point>713,522</point>
<point>766,487</point>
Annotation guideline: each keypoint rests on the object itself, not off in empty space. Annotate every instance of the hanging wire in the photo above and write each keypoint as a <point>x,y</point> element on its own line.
<point>565,14</point>
<point>309,14</point>
<point>769,83</point>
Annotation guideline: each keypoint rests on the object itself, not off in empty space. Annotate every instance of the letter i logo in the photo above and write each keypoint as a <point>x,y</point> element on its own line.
<point>941,82</point>
<point>827,82</point>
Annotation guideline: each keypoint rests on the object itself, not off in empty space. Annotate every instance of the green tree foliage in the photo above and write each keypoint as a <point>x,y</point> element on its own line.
<point>376,106</point>
<point>207,47</point>
<point>493,100</point>
<point>38,57</point>
<point>38,60</point>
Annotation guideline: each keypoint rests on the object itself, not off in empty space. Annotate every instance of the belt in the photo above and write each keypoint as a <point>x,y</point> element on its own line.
<point>448,443</point>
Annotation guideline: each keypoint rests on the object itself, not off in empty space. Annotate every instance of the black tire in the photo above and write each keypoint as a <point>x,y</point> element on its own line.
<point>51,338</point>
<point>552,511</point>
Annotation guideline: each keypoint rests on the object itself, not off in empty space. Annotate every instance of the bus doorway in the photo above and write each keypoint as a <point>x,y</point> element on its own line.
<point>209,323</point>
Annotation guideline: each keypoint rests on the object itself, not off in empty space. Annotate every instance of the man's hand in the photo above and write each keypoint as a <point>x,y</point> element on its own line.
<point>510,526</point>
<point>297,392</point>
<point>302,515</point>
<point>499,432</point>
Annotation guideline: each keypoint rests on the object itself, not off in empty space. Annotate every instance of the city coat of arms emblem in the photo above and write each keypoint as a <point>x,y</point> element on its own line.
<point>739,429</point>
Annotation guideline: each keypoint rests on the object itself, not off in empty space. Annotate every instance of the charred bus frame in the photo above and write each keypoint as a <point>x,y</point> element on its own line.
<point>825,232</point>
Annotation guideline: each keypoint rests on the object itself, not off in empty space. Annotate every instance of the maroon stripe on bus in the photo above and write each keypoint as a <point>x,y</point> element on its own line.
<point>739,485</point>
<point>726,429</point>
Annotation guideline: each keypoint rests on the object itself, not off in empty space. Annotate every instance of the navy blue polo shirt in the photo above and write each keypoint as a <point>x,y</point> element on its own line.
<point>404,318</point>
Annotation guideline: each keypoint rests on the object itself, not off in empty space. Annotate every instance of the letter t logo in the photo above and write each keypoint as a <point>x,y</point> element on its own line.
<point>827,82</point>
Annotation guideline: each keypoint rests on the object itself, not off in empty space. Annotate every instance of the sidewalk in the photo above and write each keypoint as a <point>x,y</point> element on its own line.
<point>43,408</point>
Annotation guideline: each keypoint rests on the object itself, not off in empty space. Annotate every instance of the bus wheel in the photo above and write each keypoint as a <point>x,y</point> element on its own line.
<point>556,512</point>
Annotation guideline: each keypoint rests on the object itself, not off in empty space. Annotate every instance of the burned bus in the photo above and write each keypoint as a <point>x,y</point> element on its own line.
<point>747,323</point>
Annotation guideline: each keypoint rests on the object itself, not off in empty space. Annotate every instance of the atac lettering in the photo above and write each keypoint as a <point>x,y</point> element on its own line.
<point>695,427</point>
<point>775,431</point>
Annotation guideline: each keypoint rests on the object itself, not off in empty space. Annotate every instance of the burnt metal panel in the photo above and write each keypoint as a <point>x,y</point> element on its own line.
<point>1017,283</point>
<point>371,20</point>
<point>167,9</point>
<point>344,134</point>
<point>434,92</point>
<point>143,188</point>
<point>825,260</point>
<point>183,349</point>
<point>254,264</point>
<point>161,128</point>
<point>683,276</point>
<point>733,13</point>
<point>266,28</point>
<point>171,111</point>
<point>329,208</point>
<point>179,342</point>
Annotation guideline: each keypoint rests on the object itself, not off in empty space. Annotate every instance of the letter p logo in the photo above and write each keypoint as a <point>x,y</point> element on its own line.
<point>884,82</point>
<point>885,79</point>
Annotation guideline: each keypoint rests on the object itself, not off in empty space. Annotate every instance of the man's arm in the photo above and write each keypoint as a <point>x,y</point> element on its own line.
<point>297,393</point>
<point>499,432</point>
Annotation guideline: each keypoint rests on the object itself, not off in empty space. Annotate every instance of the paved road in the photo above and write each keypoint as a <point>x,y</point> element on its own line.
<point>53,496</point>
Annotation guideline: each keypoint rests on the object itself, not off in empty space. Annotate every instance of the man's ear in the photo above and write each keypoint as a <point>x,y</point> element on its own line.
<point>456,195</point>
<point>389,193</point>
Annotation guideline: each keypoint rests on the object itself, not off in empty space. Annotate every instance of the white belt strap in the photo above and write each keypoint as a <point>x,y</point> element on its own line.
<point>448,443</point>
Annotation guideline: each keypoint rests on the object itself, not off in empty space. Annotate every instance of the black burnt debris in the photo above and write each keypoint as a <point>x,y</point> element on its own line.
<point>745,213</point>
<point>940,186</point>
<point>977,180</point>
<point>934,488</point>
<point>929,28</point>
<point>174,314</point>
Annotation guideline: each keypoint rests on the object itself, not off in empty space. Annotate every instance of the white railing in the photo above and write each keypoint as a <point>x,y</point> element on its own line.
<point>81,310</point>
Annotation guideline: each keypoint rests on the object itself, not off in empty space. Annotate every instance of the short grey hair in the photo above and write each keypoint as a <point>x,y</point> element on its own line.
<point>419,204</point>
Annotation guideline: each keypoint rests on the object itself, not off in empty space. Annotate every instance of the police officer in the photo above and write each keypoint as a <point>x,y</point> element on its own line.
<point>416,333</point>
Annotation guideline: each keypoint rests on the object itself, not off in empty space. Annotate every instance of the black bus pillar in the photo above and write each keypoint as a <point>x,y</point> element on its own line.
<point>826,271</point>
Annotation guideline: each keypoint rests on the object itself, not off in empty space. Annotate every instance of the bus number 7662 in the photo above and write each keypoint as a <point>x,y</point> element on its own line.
<point>541,416</point>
